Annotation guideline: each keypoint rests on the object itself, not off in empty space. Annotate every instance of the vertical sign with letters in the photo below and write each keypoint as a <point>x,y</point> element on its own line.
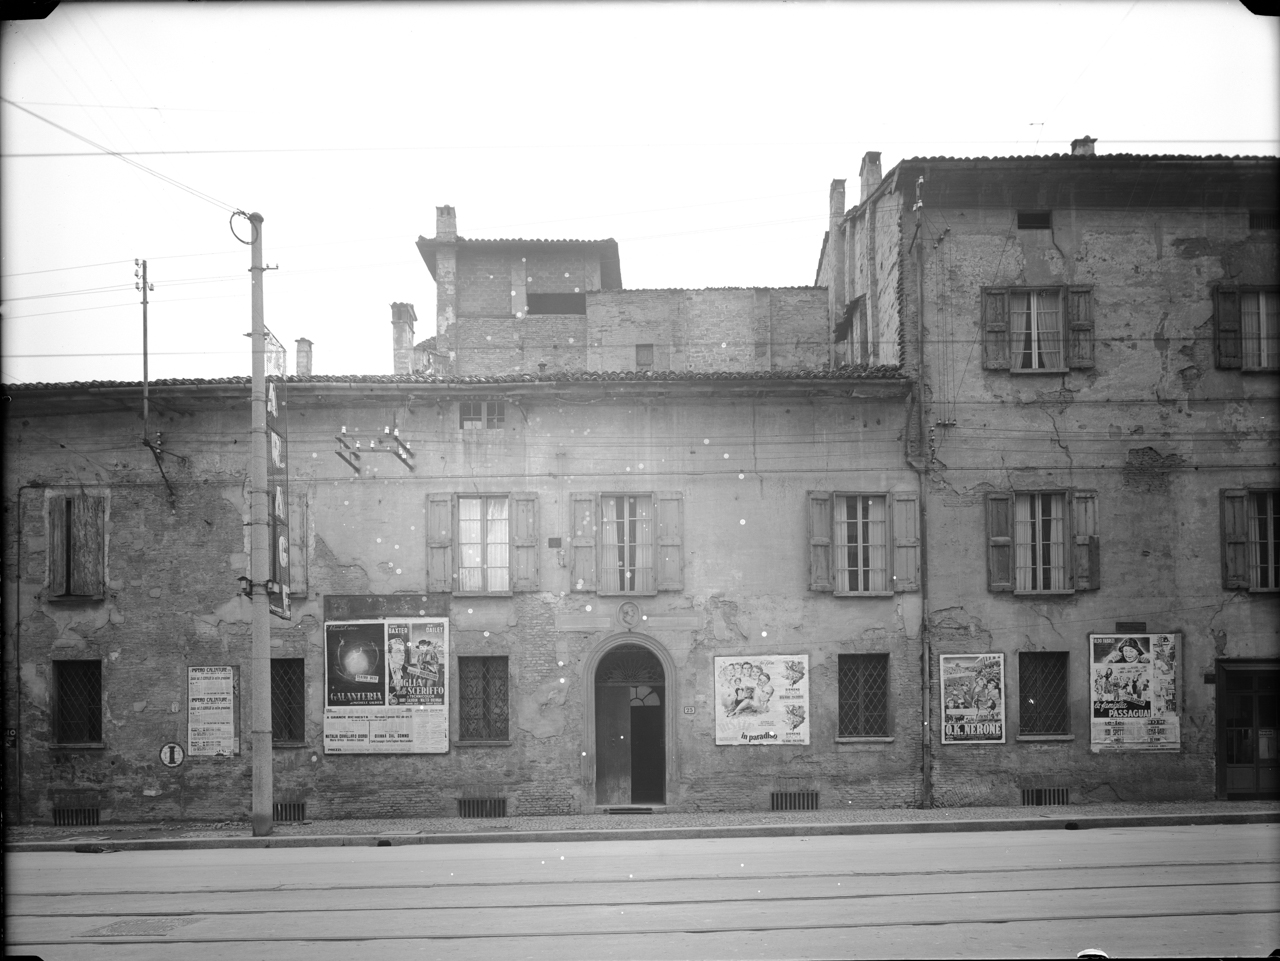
<point>277,479</point>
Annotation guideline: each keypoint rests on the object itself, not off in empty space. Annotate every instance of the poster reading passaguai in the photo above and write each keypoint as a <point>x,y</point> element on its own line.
<point>762,700</point>
<point>972,688</point>
<point>1133,695</point>
<point>386,687</point>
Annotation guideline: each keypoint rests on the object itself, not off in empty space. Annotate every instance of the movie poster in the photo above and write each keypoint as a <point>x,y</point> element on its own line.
<point>762,700</point>
<point>386,686</point>
<point>972,691</point>
<point>1134,692</point>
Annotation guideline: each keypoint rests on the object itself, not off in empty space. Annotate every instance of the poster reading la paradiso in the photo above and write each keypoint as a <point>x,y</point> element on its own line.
<point>762,699</point>
<point>387,686</point>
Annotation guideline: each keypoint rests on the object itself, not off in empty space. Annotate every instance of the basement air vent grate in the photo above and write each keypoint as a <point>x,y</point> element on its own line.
<point>793,801</point>
<point>75,817</point>
<point>482,807</point>
<point>289,812</point>
<point>1040,796</point>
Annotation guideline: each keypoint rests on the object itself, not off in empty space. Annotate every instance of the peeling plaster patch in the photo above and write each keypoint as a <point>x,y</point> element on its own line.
<point>36,685</point>
<point>1147,470</point>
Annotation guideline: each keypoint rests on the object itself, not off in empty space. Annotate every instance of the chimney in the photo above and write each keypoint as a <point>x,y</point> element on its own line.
<point>835,209</point>
<point>402,320</point>
<point>304,357</point>
<point>870,173</point>
<point>446,223</point>
<point>1083,147</point>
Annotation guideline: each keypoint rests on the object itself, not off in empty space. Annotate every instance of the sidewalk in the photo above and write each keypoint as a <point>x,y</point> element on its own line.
<point>613,827</point>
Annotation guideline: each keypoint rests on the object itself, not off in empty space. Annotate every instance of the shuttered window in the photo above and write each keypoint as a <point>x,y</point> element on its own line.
<point>1043,542</point>
<point>1250,540</point>
<point>1032,329</point>
<point>630,543</point>
<point>1246,328</point>
<point>863,544</point>
<point>76,546</point>
<point>482,544</point>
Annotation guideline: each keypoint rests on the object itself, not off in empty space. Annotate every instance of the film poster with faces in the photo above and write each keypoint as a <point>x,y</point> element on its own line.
<point>1133,692</point>
<point>762,700</point>
<point>387,686</point>
<point>972,691</point>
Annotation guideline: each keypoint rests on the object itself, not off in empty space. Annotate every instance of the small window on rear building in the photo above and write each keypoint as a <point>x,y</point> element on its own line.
<point>644,356</point>
<point>1035,219</point>
<point>557,303</point>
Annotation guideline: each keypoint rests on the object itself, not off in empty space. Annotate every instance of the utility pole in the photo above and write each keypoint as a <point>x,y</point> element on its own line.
<point>140,283</point>
<point>259,554</point>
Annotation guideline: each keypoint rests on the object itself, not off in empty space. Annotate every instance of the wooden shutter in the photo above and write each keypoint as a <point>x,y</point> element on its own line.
<point>820,529</point>
<point>582,527</point>
<point>999,542</point>
<point>524,541</point>
<point>669,553</point>
<point>298,544</point>
<point>87,522</point>
<point>1226,313</point>
<point>440,573</point>
<point>995,328</point>
<point>1086,549</point>
<point>1235,539</point>
<point>906,541</point>
<point>57,553</point>
<point>1079,308</point>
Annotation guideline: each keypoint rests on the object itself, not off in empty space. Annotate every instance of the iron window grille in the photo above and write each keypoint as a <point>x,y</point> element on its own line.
<point>481,414</point>
<point>482,807</point>
<point>288,701</point>
<point>1042,693</point>
<point>77,705</point>
<point>482,706</point>
<point>793,801</point>
<point>1042,796</point>
<point>282,811</point>
<point>864,695</point>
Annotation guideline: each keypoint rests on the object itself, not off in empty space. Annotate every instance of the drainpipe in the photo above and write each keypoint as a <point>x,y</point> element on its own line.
<point>921,466</point>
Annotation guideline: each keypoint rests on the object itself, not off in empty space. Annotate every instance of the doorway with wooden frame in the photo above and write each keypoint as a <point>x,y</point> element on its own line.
<point>630,727</point>
<point>1248,703</point>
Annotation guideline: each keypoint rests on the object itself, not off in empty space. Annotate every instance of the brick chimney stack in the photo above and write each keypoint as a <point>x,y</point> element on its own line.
<point>446,223</point>
<point>403,320</point>
<point>304,357</point>
<point>870,173</point>
<point>1083,147</point>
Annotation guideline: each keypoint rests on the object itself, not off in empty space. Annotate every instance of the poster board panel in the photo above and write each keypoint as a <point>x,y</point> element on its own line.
<point>211,712</point>
<point>1134,682</point>
<point>971,687</point>
<point>762,700</point>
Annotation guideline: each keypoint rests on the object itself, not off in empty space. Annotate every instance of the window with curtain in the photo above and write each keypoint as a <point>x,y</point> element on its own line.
<point>861,544</point>
<point>1035,319</point>
<point>626,555</point>
<point>1040,542</point>
<point>1264,537</point>
<point>484,545</point>
<point>1260,338</point>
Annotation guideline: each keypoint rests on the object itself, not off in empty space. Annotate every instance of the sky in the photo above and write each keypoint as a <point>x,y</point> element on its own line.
<point>702,137</point>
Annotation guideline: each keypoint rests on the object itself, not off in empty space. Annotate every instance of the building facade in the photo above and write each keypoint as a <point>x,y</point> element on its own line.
<point>985,516</point>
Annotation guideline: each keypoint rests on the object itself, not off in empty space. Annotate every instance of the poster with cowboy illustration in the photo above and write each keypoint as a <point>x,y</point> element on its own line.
<point>972,691</point>
<point>762,699</point>
<point>1133,692</point>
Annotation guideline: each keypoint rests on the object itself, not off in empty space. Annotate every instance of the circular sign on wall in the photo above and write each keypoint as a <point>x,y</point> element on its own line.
<point>171,754</point>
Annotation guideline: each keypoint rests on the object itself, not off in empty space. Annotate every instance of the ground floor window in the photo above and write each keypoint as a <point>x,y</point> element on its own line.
<point>864,695</point>
<point>288,700</point>
<point>482,705</point>
<point>77,702</point>
<point>1042,693</point>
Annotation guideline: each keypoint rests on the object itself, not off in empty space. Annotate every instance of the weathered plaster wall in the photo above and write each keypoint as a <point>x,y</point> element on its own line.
<point>174,602</point>
<point>1154,428</point>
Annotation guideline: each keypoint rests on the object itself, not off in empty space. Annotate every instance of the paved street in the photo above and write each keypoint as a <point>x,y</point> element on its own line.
<point>1179,891</point>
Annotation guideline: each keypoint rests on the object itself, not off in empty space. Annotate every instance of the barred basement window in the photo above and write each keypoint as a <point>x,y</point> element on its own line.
<point>1042,693</point>
<point>482,706</point>
<point>1264,219</point>
<point>864,695</point>
<point>77,702</point>
<point>288,700</point>
<point>481,414</point>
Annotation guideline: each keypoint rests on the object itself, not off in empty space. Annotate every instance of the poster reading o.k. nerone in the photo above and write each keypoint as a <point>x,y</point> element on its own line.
<point>386,686</point>
<point>972,688</point>
<point>1134,692</point>
<point>762,700</point>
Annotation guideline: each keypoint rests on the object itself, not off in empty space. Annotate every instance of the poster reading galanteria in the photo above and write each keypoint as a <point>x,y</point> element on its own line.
<point>1134,692</point>
<point>386,686</point>
<point>762,700</point>
<point>972,691</point>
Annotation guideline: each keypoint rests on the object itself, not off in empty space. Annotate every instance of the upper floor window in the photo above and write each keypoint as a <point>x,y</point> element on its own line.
<point>1035,329</point>
<point>1035,219</point>
<point>1043,542</point>
<point>557,303</point>
<point>77,524</point>
<point>644,356</point>
<point>864,544</point>
<point>482,543</point>
<point>1250,539</point>
<point>481,414</point>
<point>1247,328</point>
<point>628,543</point>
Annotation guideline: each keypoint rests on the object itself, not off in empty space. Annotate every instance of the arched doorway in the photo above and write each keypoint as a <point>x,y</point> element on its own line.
<point>630,727</point>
